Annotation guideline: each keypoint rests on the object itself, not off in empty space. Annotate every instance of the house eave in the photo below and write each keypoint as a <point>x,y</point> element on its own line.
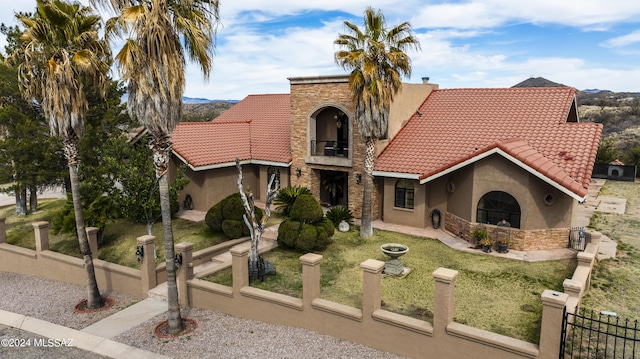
<point>396,175</point>
<point>514,160</point>
<point>231,164</point>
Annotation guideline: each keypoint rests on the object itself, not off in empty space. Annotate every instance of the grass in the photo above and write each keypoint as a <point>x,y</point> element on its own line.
<point>615,282</point>
<point>492,293</point>
<point>119,243</point>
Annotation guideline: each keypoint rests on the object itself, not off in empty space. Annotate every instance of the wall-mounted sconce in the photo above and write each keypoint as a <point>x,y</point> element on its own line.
<point>178,260</point>
<point>140,253</point>
<point>298,172</point>
<point>358,178</point>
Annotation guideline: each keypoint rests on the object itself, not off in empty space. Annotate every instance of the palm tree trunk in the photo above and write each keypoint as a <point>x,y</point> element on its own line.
<point>366,229</point>
<point>161,150</point>
<point>94,300</point>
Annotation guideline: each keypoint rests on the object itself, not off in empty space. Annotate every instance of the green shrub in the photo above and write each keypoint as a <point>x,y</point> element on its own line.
<point>288,232</point>
<point>307,238</point>
<point>232,228</point>
<point>338,214</point>
<point>306,209</point>
<point>229,208</point>
<point>287,196</point>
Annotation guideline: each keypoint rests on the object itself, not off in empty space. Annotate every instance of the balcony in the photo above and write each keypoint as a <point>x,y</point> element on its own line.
<point>329,152</point>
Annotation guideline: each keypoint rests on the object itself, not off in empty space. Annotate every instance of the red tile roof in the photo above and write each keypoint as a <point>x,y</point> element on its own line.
<point>530,124</point>
<point>258,128</point>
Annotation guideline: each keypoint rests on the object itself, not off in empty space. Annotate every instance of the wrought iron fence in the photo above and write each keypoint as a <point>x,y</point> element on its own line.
<point>586,334</point>
<point>577,239</point>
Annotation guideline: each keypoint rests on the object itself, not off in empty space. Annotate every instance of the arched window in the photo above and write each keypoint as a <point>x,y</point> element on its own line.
<point>496,206</point>
<point>273,171</point>
<point>404,194</point>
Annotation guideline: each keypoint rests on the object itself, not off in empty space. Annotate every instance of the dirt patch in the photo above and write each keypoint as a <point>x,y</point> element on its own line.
<point>81,308</point>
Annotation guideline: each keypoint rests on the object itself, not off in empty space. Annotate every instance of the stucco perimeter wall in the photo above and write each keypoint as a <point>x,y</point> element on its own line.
<point>371,325</point>
<point>52,265</point>
<point>309,95</point>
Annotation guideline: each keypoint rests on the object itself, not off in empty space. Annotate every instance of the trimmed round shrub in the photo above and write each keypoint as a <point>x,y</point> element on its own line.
<point>307,238</point>
<point>306,209</point>
<point>232,228</point>
<point>288,232</point>
<point>229,208</point>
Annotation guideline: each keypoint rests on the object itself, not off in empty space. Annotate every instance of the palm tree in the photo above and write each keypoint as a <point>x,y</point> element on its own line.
<point>61,49</point>
<point>152,61</point>
<point>377,60</point>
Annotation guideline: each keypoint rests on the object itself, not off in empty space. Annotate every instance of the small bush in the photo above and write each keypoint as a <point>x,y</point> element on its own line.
<point>338,214</point>
<point>232,228</point>
<point>288,232</point>
<point>287,196</point>
<point>229,208</point>
<point>306,209</point>
<point>305,237</point>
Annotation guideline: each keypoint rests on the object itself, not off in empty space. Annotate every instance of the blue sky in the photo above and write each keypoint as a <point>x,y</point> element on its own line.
<point>474,43</point>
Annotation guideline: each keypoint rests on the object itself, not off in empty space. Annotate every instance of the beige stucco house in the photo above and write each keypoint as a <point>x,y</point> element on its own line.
<point>453,158</point>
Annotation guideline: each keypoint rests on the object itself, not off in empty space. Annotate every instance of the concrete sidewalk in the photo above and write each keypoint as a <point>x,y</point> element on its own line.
<point>85,341</point>
<point>130,317</point>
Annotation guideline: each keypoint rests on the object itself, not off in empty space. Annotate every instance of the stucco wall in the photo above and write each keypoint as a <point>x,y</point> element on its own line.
<point>209,187</point>
<point>409,217</point>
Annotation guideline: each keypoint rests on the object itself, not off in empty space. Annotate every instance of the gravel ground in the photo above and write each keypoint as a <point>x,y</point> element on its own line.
<point>218,335</point>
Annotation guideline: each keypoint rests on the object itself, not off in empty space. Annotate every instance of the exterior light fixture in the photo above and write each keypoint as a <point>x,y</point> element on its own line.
<point>140,253</point>
<point>298,172</point>
<point>358,178</point>
<point>178,260</point>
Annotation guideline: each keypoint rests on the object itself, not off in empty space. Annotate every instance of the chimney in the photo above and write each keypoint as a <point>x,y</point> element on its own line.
<point>425,80</point>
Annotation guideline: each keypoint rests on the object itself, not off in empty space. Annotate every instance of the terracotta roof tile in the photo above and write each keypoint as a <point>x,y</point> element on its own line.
<point>256,128</point>
<point>455,125</point>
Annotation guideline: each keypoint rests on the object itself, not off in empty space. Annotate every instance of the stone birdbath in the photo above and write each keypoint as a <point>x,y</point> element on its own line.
<point>394,265</point>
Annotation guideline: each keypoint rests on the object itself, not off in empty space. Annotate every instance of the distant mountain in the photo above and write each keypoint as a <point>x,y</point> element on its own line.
<point>538,82</point>
<point>595,90</point>
<point>191,100</point>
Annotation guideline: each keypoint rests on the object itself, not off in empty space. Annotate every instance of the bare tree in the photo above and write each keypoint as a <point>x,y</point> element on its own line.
<point>256,226</point>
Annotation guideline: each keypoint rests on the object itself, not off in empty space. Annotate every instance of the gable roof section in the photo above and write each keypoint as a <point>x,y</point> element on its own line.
<point>256,129</point>
<point>527,125</point>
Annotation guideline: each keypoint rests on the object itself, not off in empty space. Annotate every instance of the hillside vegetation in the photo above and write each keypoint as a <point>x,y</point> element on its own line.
<point>202,112</point>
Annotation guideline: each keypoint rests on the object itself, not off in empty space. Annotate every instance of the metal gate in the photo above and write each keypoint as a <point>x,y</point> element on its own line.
<point>586,334</point>
<point>577,239</point>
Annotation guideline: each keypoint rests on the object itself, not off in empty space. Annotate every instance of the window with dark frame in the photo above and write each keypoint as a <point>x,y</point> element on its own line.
<point>497,205</point>
<point>404,194</point>
<point>271,171</point>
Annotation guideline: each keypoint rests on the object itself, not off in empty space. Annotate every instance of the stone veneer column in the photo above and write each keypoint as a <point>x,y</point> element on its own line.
<point>42,235</point>
<point>3,230</point>
<point>148,264</point>
<point>310,278</point>
<point>92,237</point>
<point>443,299</point>
<point>371,286</point>
<point>185,272</point>
<point>553,304</point>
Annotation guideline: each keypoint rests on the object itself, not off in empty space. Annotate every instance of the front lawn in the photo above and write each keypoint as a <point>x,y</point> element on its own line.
<point>119,244</point>
<point>492,293</point>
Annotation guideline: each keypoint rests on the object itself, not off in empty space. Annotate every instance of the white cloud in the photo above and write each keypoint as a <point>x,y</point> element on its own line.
<point>624,40</point>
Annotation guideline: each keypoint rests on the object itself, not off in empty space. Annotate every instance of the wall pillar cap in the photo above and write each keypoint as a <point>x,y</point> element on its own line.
<point>91,230</point>
<point>146,239</point>
<point>240,250</point>
<point>445,275</point>
<point>586,257</point>
<point>372,266</point>
<point>554,299</point>
<point>311,259</point>
<point>41,224</point>
<point>184,246</point>
<point>570,284</point>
